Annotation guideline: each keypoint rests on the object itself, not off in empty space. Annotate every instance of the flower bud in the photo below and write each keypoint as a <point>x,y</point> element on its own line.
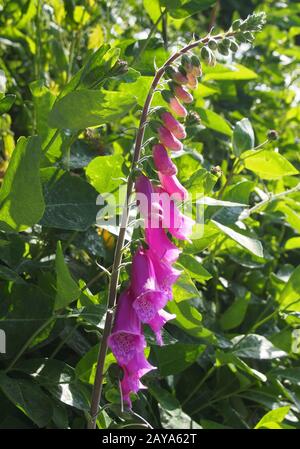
<point>192,81</point>
<point>169,140</point>
<point>233,46</point>
<point>236,24</point>
<point>213,44</point>
<point>183,94</point>
<point>174,104</point>
<point>272,134</point>
<point>196,70</point>
<point>186,63</point>
<point>176,76</point>
<point>162,161</point>
<point>173,125</point>
<point>193,119</point>
<point>223,49</point>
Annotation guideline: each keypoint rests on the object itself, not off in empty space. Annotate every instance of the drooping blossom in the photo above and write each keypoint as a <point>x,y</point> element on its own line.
<point>173,125</point>
<point>161,245</point>
<point>173,187</point>
<point>162,160</point>
<point>192,81</point>
<point>169,140</point>
<point>126,339</point>
<point>148,298</point>
<point>177,107</point>
<point>134,370</point>
<point>159,320</point>
<point>182,94</point>
<point>150,209</point>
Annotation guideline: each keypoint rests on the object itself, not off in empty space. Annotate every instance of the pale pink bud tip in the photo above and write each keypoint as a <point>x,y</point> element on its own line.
<point>193,82</point>
<point>169,140</point>
<point>177,107</point>
<point>162,161</point>
<point>183,94</point>
<point>173,125</point>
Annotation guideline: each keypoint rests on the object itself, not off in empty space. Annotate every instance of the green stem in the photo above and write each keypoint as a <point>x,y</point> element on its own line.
<point>29,341</point>
<point>199,385</point>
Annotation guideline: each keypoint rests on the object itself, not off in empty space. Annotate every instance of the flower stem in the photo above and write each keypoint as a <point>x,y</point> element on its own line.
<point>114,280</point>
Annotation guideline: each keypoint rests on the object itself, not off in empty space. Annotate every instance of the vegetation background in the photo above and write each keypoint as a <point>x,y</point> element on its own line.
<point>231,357</point>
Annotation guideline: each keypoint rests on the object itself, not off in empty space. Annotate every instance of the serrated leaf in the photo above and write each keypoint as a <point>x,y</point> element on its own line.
<point>21,198</point>
<point>93,108</point>
<point>243,137</point>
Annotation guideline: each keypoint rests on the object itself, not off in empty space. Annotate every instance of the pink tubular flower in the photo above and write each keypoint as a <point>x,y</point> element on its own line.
<point>148,297</point>
<point>133,372</point>
<point>165,274</point>
<point>182,94</point>
<point>169,140</point>
<point>172,186</point>
<point>192,81</point>
<point>177,107</point>
<point>126,339</point>
<point>158,322</point>
<point>180,226</point>
<point>150,209</point>
<point>162,161</point>
<point>173,125</point>
<point>161,245</point>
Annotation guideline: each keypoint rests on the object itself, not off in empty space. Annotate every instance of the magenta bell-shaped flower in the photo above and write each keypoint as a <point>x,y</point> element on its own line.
<point>178,224</point>
<point>162,160</point>
<point>161,245</point>
<point>173,125</point>
<point>149,207</point>
<point>173,187</point>
<point>169,140</point>
<point>166,275</point>
<point>148,297</point>
<point>133,372</point>
<point>126,338</point>
<point>158,322</point>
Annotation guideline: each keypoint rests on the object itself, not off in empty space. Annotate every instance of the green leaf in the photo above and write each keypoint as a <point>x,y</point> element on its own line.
<point>255,346</point>
<point>21,199</point>
<point>30,310</point>
<point>165,399</point>
<point>105,173</point>
<point>214,121</point>
<point>243,137</point>
<point>93,108</point>
<point>292,243</point>
<point>268,164</point>
<point>227,358</point>
<point>235,314</point>
<point>273,417</point>
<point>230,72</point>
<point>184,288</point>
<point>175,358</point>
<point>186,9</point>
<point>67,289</point>
<point>29,398</point>
<point>202,237</point>
<point>251,244</point>
<point>6,103</point>
<point>70,201</point>
<point>290,295</point>
<point>194,268</point>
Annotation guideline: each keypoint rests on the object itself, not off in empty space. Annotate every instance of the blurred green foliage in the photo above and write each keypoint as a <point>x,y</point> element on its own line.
<point>231,357</point>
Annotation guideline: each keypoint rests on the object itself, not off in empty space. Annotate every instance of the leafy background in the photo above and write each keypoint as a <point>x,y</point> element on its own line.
<point>231,357</point>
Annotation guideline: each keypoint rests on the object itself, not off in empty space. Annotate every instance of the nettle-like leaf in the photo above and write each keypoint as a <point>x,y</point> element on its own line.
<point>21,199</point>
<point>93,108</point>
<point>268,164</point>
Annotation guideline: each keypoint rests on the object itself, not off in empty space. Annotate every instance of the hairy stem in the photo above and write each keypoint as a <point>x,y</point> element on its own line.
<point>97,389</point>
